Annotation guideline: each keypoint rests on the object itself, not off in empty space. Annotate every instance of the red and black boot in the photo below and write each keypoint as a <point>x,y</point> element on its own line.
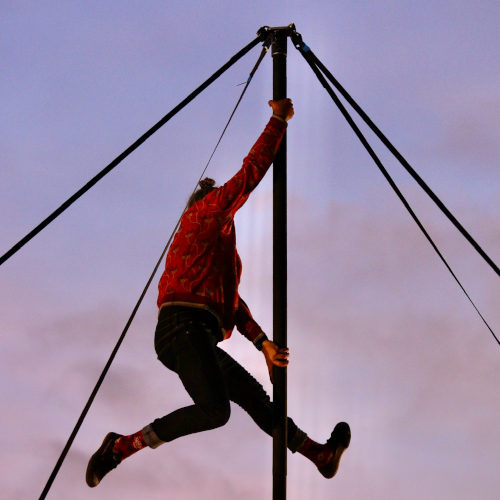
<point>327,456</point>
<point>103,460</point>
<point>112,451</point>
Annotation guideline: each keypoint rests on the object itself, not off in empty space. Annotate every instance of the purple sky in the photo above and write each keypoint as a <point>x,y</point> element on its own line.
<point>380,334</point>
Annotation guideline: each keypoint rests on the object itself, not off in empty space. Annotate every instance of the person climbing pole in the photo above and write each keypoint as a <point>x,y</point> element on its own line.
<point>199,306</point>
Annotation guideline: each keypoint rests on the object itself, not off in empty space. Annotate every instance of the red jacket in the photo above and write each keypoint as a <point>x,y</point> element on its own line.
<point>203,267</point>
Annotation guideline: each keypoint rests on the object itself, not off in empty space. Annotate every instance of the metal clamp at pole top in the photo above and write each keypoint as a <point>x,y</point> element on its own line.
<point>273,34</point>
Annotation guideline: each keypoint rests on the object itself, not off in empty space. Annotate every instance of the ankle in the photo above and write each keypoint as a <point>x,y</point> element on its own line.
<point>318,453</point>
<point>125,446</point>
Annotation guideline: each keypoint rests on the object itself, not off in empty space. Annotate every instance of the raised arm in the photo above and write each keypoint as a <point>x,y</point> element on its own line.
<point>233,194</point>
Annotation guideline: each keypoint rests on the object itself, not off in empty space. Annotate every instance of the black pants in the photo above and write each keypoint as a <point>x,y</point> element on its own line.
<point>186,342</point>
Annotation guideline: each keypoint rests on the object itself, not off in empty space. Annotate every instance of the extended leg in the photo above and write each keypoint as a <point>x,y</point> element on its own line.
<point>247,392</point>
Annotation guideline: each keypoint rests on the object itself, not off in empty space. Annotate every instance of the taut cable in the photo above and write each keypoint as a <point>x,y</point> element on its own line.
<point>310,60</point>
<point>261,36</point>
<point>136,307</point>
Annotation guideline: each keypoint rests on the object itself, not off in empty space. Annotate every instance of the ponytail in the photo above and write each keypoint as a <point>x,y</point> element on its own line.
<point>206,185</point>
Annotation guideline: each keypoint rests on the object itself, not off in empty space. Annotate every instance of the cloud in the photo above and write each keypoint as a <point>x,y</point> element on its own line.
<point>379,335</point>
<point>386,340</point>
<point>470,127</point>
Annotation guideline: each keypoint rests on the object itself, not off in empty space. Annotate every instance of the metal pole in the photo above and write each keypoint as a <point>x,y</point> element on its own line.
<point>279,49</point>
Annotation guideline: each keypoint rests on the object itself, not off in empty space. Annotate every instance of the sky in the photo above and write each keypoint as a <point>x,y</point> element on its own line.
<point>380,334</point>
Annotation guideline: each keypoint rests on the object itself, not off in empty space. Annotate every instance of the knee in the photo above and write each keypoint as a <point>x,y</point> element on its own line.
<point>218,414</point>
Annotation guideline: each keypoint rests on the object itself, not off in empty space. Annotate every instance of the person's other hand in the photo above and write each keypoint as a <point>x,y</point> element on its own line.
<point>275,356</point>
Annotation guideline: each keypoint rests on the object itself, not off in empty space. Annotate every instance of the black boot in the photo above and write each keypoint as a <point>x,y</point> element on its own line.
<point>337,443</point>
<point>102,461</point>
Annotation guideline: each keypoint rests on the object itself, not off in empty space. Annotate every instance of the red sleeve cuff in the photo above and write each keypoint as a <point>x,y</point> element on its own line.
<point>278,122</point>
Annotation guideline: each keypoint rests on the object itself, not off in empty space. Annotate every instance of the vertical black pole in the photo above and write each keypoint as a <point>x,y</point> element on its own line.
<point>279,49</point>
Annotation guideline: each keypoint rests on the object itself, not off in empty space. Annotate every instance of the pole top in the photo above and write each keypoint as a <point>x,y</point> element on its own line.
<point>267,31</point>
<point>277,36</point>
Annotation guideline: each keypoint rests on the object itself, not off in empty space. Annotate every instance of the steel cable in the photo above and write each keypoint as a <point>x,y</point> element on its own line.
<point>261,37</point>
<point>311,61</point>
<point>136,307</point>
<point>302,47</point>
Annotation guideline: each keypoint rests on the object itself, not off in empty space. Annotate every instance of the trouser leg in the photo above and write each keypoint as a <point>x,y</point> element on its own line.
<point>191,354</point>
<point>248,393</point>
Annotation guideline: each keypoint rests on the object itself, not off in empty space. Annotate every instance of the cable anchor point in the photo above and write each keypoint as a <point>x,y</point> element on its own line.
<point>297,41</point>
<point>269,34</point>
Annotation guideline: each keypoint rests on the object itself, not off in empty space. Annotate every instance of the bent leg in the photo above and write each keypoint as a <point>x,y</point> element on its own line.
<point>191,354</point>
<point>248,393</point>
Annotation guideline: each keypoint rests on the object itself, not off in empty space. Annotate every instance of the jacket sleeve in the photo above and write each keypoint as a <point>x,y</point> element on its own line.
<point>233,194</point>
<point>248,326</point>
